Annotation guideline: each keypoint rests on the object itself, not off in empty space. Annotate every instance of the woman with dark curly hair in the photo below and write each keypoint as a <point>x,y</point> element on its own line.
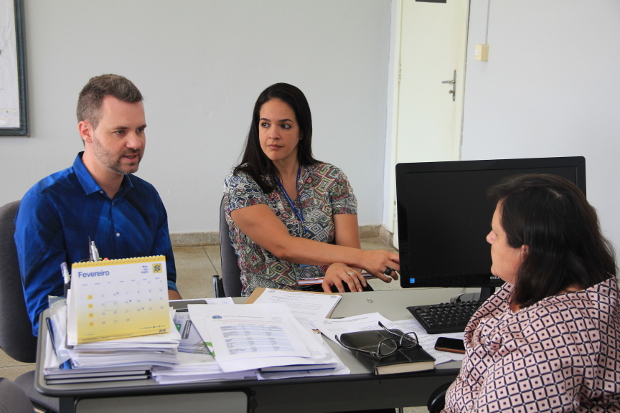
<point>549,339</point>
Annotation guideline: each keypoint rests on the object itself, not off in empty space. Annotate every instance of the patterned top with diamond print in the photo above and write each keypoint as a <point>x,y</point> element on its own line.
<point>324,191</point>
<point>558,355</point>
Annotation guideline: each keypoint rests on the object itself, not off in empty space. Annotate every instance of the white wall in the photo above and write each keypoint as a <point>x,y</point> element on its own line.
<point>550,88</point>
<point>200,65</point>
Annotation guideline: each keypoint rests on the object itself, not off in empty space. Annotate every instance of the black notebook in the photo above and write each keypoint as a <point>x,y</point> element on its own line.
<point>405,360</point>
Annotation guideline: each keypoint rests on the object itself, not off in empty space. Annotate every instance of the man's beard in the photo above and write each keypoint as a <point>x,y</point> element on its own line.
<point>112,163</point>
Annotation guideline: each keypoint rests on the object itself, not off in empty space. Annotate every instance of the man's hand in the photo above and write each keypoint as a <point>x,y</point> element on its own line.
<point>174,295</point>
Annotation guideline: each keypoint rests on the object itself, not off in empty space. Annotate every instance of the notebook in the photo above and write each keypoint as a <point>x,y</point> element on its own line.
<point>405,360</point>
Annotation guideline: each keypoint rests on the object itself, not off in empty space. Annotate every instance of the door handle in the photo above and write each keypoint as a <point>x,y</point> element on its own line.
<point>452,82</point>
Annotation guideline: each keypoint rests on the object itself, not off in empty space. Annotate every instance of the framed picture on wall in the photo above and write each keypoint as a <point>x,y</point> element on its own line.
<point>13,92</point>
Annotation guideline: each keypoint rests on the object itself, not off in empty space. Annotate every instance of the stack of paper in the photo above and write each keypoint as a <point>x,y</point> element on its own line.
<point>154,350</point>
<point>54,373</point>
<point>265,338</point>
<point>196,363</point>
<point>122,359</point>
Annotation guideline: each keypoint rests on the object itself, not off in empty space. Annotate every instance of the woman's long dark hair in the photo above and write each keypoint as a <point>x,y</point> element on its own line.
<point>254,161</point>
<point>560,229</point>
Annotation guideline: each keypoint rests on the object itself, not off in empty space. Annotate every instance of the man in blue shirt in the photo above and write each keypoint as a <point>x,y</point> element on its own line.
<point>98,198</point>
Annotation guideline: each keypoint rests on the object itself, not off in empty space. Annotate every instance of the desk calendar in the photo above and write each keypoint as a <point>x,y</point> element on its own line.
<point>114,299</point>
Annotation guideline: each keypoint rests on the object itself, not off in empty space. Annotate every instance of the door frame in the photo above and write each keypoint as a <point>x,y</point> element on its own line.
<point>389,229</point>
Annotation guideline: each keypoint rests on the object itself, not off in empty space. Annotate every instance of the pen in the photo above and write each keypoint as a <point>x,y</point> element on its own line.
<point>65,276</point>
<point>94,252</point>
<point>51,331</point>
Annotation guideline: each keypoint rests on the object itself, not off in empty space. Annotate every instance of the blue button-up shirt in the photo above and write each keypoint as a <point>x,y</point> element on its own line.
<point>57,216</point>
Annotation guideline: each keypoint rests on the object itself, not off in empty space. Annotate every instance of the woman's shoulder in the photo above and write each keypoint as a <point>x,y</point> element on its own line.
<point>491,309</point>
<point>584,306</point>
<point>326,170</point>
<point>603,292</point>
<point>498,300</point>
<point>324,166</point>
<point>606,291</point>
<point>598,300</point>
<point>239,179</point>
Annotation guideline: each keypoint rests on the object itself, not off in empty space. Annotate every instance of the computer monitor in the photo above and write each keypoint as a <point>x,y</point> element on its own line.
<point>444,215</point>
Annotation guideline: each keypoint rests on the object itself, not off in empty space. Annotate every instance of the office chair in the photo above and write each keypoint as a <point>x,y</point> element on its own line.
<point>229,284</point>
<point>16,338</point>
<point>437,400</point>
<point>13,399</point>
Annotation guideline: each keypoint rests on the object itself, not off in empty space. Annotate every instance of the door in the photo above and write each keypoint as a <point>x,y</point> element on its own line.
<point>430,84</point>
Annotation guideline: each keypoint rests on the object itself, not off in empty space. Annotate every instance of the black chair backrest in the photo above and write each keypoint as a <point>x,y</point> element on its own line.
<point>13,399</point>
<point>231,275</point>
<point>16,337</point>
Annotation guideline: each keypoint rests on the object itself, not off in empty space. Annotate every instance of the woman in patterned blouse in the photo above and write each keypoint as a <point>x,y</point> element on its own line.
<point>291,216</point>
<point>549,339</point>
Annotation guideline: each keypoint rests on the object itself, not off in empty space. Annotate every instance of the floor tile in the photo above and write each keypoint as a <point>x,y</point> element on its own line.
<point>213,253</point>
<point>194,272</point>
<point>6,361</point>
<point>377,244</point>
<point>12,372</point>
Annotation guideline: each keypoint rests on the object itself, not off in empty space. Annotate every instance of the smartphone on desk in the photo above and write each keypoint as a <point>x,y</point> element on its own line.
<point>453,345</point>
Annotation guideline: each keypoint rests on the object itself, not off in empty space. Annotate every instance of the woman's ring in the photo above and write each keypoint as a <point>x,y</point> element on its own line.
<point>388,271</point>
<point>351,273</point>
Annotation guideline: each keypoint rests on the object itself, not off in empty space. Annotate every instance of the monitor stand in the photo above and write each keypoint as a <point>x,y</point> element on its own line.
<point>485,292</point>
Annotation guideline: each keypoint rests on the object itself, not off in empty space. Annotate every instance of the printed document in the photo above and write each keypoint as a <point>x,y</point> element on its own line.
<point>333,327</point>
<point>244,332</point>
<point>303,305</point>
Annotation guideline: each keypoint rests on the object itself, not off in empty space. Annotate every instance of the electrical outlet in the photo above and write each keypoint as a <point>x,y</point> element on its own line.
<point>482,52</point>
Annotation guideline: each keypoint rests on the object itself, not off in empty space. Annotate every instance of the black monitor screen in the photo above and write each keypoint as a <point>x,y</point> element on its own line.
<point>444,215</point>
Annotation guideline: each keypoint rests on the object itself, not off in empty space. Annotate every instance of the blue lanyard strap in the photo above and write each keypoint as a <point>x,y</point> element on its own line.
<point>298,211</point>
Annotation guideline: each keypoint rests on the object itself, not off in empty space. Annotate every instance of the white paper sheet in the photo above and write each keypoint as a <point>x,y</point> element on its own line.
<point>303,306</point>
<point>333,327</point>
<point>223,300</point>
<point>249,331</point>
<point>339,367</point>
<point>321,356</point>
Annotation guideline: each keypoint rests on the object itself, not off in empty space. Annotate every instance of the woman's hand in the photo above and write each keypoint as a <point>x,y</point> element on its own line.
<point>339,273</point>
<point>382,264</point>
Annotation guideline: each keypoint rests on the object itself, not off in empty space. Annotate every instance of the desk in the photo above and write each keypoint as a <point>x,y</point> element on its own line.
<point>359,390</point>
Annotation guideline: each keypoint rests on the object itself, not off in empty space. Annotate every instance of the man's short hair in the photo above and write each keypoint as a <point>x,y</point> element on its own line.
<point>97,88</point>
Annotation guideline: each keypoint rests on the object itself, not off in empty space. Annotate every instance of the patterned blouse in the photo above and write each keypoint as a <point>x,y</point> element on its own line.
<point>561,354</point>
<point>324,191</point>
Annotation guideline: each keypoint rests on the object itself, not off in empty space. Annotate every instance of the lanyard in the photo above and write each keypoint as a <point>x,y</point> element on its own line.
<point>298,211</point>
